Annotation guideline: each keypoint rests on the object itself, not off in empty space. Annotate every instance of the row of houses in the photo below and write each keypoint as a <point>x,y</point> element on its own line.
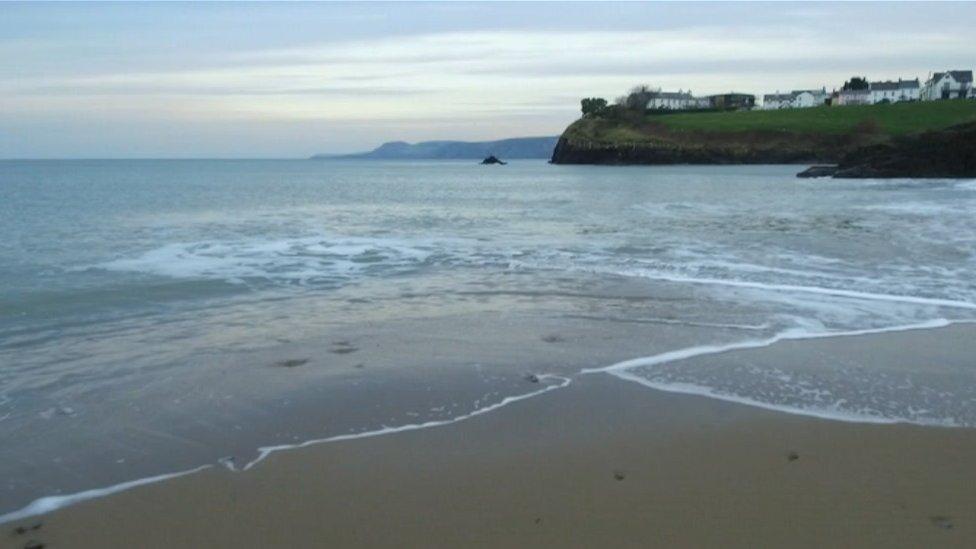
<point>941,85</point>
<point>684,100</point>
<point>879,92</point>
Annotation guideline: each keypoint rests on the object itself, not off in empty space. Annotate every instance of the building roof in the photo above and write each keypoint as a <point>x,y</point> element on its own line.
<point>778,97</point>
<point>733,94</point>
<point>672,95</point>
<point>855,92</point>
<point>891,85</point>
<point>958,76</point>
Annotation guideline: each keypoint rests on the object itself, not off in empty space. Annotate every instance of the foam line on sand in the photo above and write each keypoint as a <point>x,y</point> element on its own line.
<point>48,504</point>
<point>622,370</point>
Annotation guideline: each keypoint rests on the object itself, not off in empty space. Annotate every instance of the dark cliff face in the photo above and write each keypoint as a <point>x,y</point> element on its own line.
<point>600,142</point>
<point>946,153</point>
<point>569,152</point>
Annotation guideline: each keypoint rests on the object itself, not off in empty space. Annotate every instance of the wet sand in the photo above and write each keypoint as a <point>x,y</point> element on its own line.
<point>602,462</point>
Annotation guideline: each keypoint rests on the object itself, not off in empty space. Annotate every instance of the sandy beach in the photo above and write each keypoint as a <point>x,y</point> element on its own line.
<point>600,462</point>
<point>501,275</point>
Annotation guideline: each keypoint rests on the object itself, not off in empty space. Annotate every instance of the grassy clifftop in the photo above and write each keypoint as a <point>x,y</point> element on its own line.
<point>789,135</point>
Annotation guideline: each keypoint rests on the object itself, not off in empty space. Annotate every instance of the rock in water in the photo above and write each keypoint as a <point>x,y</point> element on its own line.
<point>492,159</point>
<point>818,171</point>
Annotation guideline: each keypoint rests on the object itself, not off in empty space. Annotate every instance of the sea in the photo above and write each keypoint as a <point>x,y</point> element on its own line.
<point>160,316</point>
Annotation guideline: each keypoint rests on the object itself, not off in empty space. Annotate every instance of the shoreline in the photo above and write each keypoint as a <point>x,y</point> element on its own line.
<point>55,505</point>
<point>601,460</point>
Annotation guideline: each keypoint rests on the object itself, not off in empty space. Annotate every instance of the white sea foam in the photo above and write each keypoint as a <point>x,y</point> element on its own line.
<point>265,451</point>
<point>834,292</point>
<point>298,259</point>
<point>53,503</point>
<point>623,370</point>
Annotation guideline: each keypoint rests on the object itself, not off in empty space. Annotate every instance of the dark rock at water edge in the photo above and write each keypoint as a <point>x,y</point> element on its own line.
<point>818,171</point>
<point>948,153</point>
<point>728,151</point>
<point>492,159</point>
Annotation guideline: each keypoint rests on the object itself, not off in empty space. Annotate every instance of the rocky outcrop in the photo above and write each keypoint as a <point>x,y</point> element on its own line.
<point>948,153</point>
<point>818,171</point>
<point>732,152</point>
<point>643,142</point>
<point>492,159</point>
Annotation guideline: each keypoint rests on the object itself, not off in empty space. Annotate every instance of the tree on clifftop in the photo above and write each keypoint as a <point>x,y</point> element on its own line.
<point>856,83</point>
<point>638,98</point>
<point>593,106</point>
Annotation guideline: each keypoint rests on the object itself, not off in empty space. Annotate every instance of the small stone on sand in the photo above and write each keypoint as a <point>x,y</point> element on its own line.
<point>942,522</point>
<point>619,475</point>
<point>793,456</point>
<point>343,347</point>
<point>291,363</point>
<point>20,530</point>
<point>553,338</point>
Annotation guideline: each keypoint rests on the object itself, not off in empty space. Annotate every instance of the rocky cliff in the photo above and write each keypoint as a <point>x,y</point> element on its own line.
<point>604,142</point>
<point>946,153</point>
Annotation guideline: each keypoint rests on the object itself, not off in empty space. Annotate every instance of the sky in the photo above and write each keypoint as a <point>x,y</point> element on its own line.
<point>284,80</point>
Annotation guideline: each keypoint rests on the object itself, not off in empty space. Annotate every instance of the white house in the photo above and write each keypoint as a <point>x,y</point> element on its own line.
<point>679,100</point>
<point>774,101</point>
<point>892,92</point>
<point>796,99</point>
<point>948,85</point>
<point>853,97</point>
<point>809,98</point>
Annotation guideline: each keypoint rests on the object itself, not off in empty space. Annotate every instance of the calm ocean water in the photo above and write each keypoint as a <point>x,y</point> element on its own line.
<point>126,286</point>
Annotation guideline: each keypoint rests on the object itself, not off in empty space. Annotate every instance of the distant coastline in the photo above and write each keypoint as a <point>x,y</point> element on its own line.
<point>514,148</point>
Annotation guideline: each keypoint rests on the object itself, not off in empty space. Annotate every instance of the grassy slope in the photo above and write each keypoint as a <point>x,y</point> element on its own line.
<point>894,119</point>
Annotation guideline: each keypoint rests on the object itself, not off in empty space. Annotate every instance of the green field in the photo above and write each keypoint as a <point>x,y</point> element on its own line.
<point>893,119</point>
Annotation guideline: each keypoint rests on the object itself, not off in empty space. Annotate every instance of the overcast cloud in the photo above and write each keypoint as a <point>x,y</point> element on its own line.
<point>288,80</point>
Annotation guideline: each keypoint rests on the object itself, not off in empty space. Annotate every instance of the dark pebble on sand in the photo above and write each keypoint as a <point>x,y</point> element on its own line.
<point>942,522</point>
<point>793,456</point>
<point>619,475</point>
<point>20,530</point>
<point>291,363</point>
<point>34,545</point>
<point>538,520</point>
<point>343,347</point>
<point>552,338</point>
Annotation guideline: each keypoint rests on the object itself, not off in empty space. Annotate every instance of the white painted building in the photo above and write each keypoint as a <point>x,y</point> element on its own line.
<point>948,85</point>
<point>853,97</point>
<point>809,98</point>
<point>775,101</point>
<point>796,99</point>
<point>892,92</point>
<point>677,101</point>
